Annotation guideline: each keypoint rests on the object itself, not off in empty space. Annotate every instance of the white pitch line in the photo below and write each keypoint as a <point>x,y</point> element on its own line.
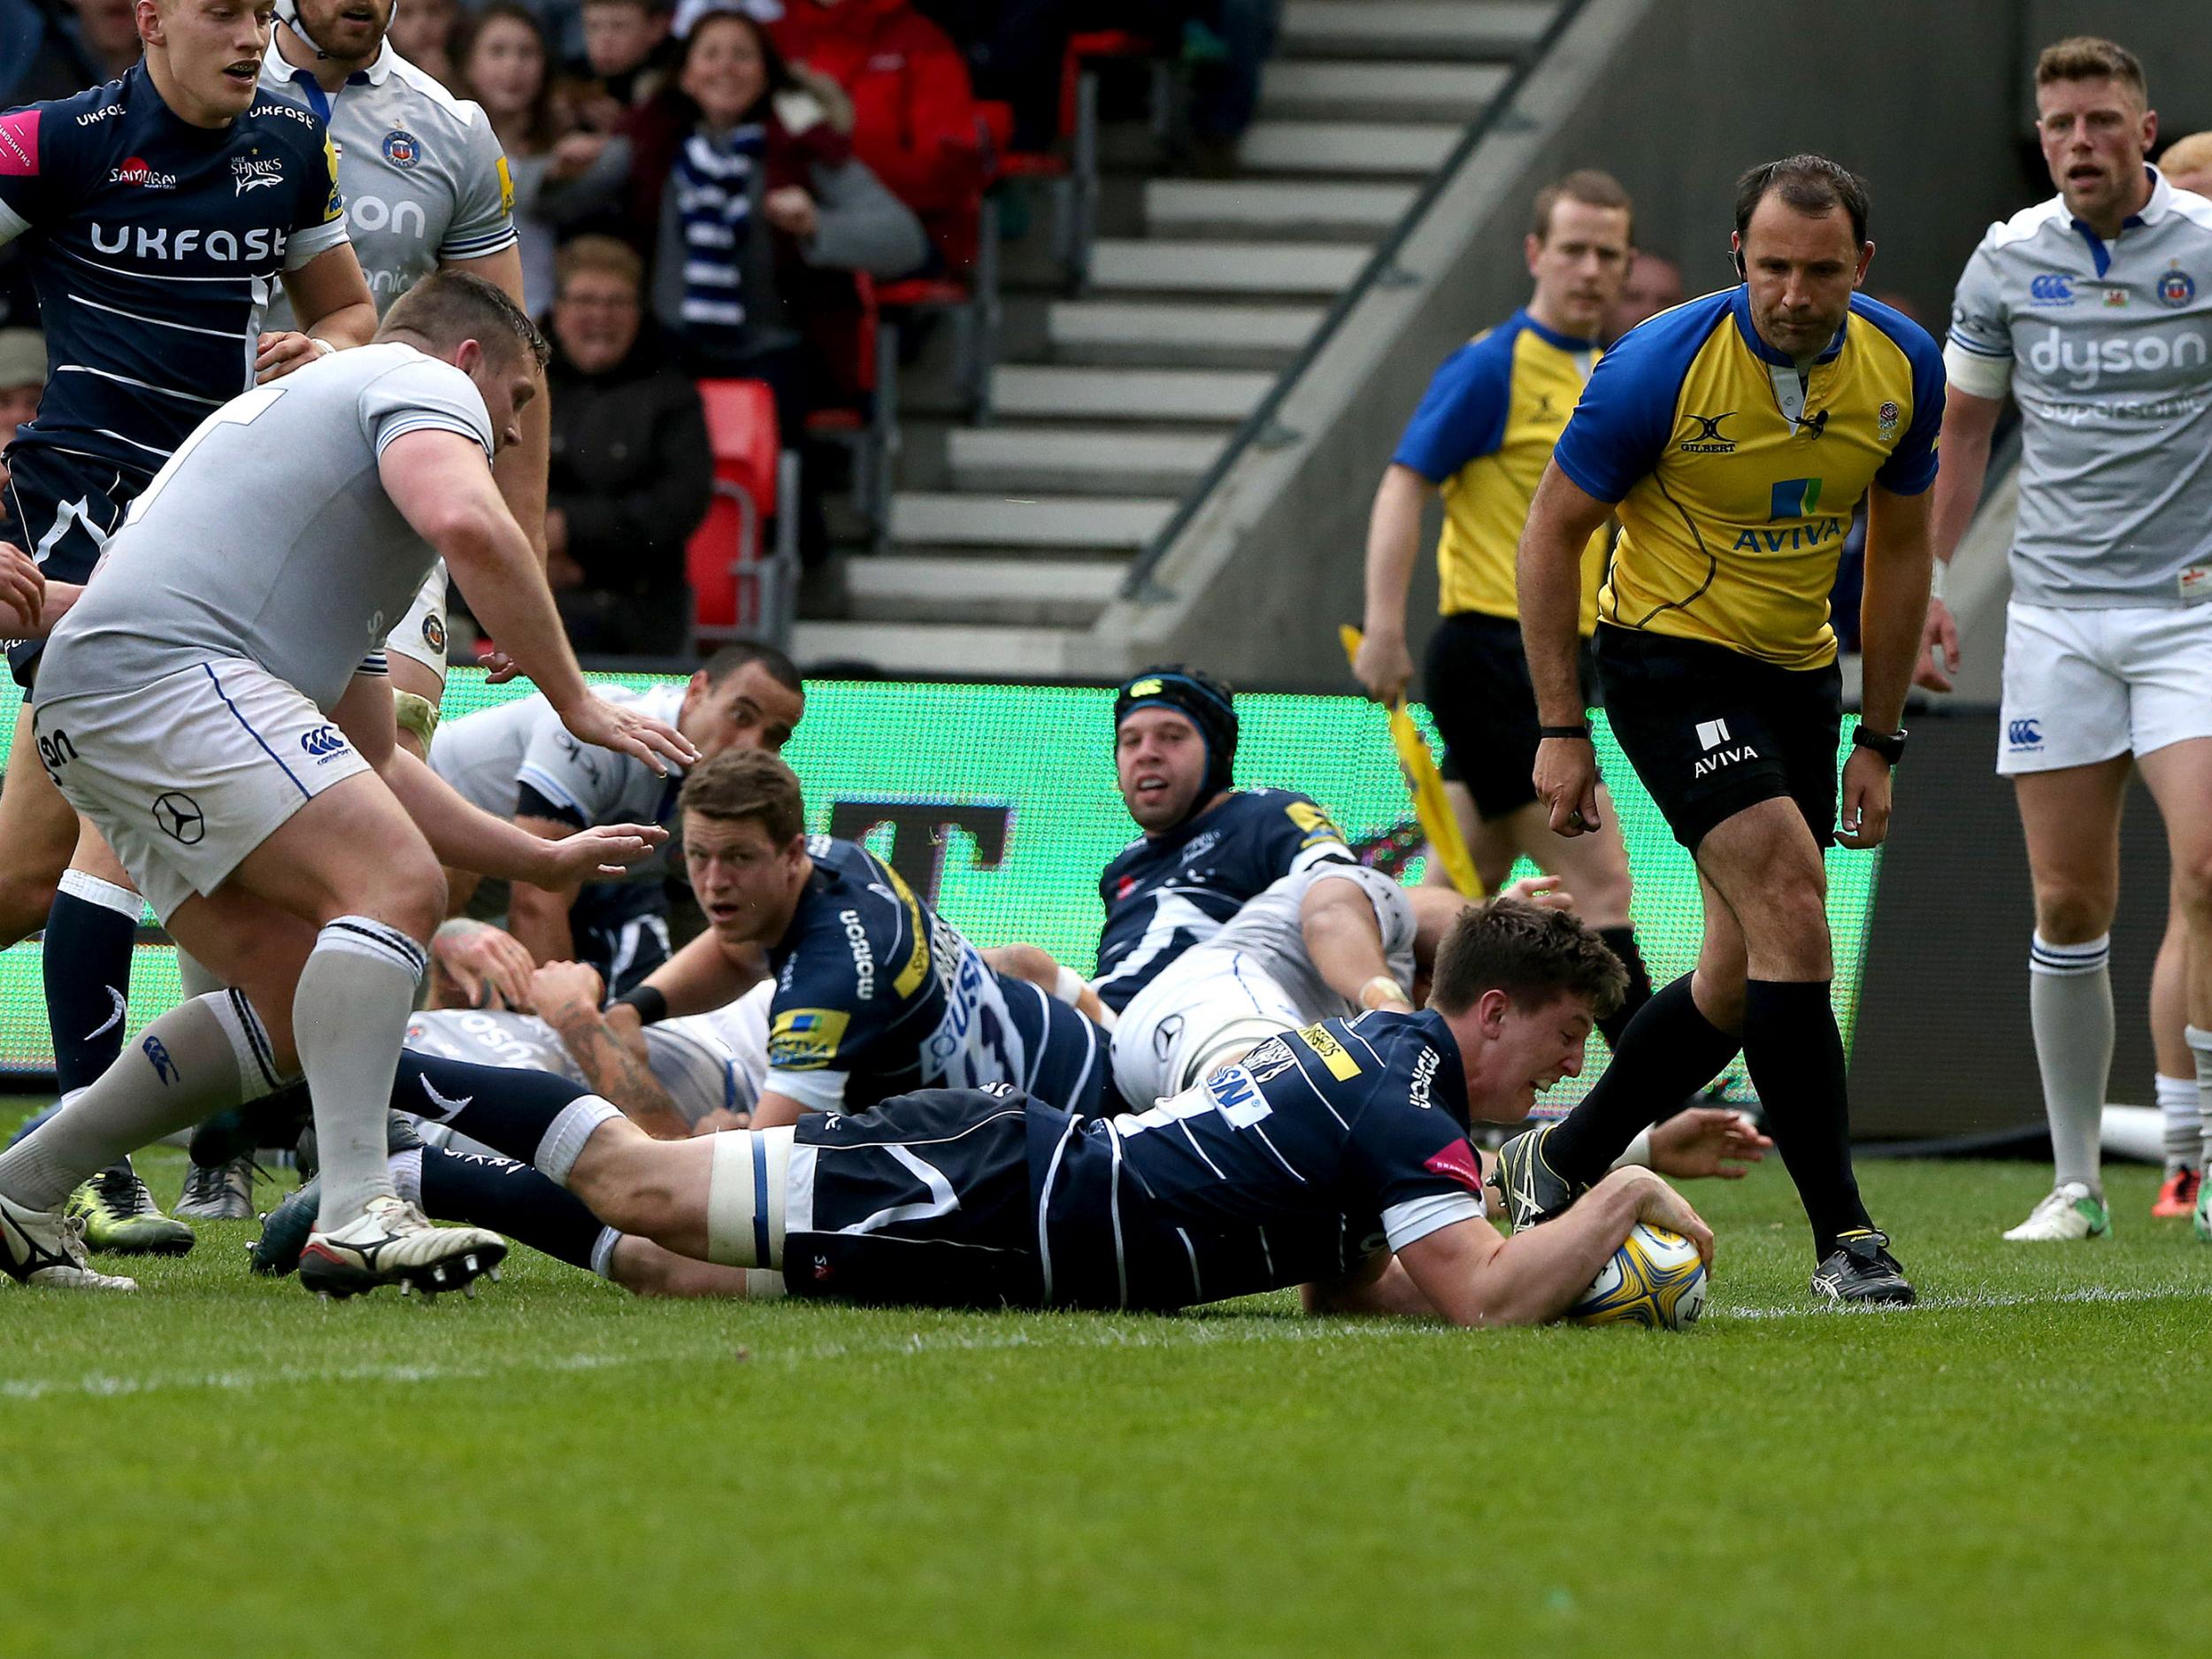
<point>1978,1302</point>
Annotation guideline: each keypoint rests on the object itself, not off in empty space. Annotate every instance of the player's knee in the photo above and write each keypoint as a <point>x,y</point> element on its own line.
<point>2066,914</point>
<point>2193,885</point>
<point>26,896</point>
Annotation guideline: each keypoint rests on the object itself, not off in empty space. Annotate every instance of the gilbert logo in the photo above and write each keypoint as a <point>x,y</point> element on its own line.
<point>1720,748</point>
<point>135,171</point>
<point>1711,440</point>
<point>248,173</point>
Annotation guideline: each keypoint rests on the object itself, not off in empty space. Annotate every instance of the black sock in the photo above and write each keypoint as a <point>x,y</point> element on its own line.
<point>1622,942</point>
<point>511,1198</point>
<point>1669,1052</point>
<point>507,1110</point>
<point>1795,1056</point>
<point>86,966</point>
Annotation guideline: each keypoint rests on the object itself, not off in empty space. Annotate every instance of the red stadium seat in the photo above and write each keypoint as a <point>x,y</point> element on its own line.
<point>741,587</point>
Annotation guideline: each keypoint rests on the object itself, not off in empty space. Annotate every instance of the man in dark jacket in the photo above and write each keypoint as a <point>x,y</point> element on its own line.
<point>631,468</point>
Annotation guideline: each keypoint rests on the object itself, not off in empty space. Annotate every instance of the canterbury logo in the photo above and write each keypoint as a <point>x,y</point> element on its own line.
<point>323,741</point>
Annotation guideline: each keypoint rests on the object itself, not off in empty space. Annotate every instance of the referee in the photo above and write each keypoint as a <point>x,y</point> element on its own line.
<point>1482,435</point>
<point>1734,437</point>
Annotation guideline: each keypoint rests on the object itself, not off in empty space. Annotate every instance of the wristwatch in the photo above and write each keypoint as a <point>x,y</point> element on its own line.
<point>1889,745</point>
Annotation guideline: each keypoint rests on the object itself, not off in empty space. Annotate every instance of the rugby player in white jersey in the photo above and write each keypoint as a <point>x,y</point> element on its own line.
<point>202,707</point>
<point>2094,310</point>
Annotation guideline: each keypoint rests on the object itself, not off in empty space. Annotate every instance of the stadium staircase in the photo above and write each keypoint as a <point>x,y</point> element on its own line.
<point>1110,403</point>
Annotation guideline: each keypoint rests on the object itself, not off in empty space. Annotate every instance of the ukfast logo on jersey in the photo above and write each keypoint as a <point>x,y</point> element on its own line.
<point>262,245</point>
<point>1721,749</point>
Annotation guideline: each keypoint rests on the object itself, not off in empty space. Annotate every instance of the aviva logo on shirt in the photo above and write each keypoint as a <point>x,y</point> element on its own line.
<point>1796,500</point>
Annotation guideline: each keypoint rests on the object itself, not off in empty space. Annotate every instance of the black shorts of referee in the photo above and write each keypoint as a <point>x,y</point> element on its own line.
<point>1711,732</point>
<point>1476,676</point>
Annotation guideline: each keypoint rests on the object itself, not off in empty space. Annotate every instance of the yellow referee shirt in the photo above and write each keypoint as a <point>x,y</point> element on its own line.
<point>1482,434</point>
<point>1736,476</point>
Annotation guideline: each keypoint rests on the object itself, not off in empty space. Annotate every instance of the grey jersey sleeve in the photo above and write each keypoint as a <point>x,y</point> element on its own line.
<point>484,199</point>
<point>424,394</point>
<point>575,778</point>
<point>1393,911</point>
<point>1978,352</point>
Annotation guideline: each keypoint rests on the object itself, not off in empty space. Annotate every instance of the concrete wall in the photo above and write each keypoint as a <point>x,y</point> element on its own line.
<point>1676,98</point>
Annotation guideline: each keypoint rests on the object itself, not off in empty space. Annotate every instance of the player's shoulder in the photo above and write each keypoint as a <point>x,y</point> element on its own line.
<point>1918,346</point>
<point>292,125</point>
<point>43,137</point>
<point>1407,1062</point>
<point>86,110</point>
<point>2048,216</point>
<point>1488,353</point>
<point>423,89</point>
<point>2188,205</point>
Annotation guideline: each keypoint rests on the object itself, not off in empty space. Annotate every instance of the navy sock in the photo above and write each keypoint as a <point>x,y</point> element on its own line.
<point>1795,1056</point>
<point>511,1198</point>
<point>1667,1053</point>
<point>86,965</point>
<point>1622,942</point>
<point>507,1110</point>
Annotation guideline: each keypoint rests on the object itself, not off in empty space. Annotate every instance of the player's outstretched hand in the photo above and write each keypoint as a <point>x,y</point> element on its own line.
<point>627,732</point>
<point>22,594</point>
<point>1865,820</point>
<point>276,356</point>
<point>487,963</point>
<point>1660,1205</point>
<point>1566,780</point>
<point>1544,892</point>
<point>1383,666</point>
<point>564,990</point>
<point>606,850</point>
<point>498,667</point>
<point>1938,649</point>
<point>1708,1141</point>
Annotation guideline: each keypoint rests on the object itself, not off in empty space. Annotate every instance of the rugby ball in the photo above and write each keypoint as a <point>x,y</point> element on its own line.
<point>1655,1279</point>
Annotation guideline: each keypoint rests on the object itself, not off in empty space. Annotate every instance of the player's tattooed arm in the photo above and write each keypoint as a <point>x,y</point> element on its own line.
<point>611,1059</point>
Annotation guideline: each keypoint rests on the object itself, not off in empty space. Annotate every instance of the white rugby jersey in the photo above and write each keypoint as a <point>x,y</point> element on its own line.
<point>421,170</point>
<point>2106,348</point>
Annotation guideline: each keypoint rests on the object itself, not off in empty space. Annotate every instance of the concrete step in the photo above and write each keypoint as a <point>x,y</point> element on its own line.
<point>927,651</point>
<point>1399,29</point>
<point>949,519</point>
<point>1023,592</point>
<point>1211,336</point>
<point>1388,91</point>
<point>1401,149</point>
<point>1208,267</point>
<point>1102,460</point>
<point>1147,395</point>
<point>1276,207</point>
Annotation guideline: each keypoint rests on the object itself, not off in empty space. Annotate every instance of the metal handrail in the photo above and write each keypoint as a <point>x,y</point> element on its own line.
<point>1137,583</point>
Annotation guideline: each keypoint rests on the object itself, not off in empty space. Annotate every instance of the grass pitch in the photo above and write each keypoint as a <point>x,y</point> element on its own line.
<point>221,1465</point>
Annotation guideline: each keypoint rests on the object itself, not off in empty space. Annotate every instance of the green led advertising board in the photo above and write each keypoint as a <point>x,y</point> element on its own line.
<point>1000,799</point>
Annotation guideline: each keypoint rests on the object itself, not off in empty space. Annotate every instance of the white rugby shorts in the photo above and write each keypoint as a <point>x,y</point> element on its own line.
<point>1208,1006</point>
<point>420,636</point>
<point>2085,686</point>
<point>187,776</point>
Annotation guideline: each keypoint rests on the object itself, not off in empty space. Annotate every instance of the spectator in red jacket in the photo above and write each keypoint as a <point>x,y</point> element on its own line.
<point>914,116</point>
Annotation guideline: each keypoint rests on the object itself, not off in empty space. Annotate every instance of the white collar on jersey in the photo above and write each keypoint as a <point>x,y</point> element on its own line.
<point>276,67</point>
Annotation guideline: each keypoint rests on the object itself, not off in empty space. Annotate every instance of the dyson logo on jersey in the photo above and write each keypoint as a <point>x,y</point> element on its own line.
<point>2085,364</point>
<point>261,245</point>
<point>247,173</point>
<point>135,170</point>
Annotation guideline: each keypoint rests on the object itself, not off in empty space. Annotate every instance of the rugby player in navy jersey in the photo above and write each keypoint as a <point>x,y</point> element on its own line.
<point>1206,848</point>
<point>1334,1157</point>
<point>157,213</point>
<point>875,993</point>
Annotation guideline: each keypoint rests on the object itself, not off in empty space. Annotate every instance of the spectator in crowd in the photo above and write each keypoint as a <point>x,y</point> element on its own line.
<point>107,35</point>
<point>423,32</point>
<point>502,66</point>
<point>2187,163</point>
<point>914,116</point>
<point>39,55</point>
<point>623,62</point>
<point>22,377</point>
<point>1654,285</point>
<point>631,471</point>
<point>1014,50</point>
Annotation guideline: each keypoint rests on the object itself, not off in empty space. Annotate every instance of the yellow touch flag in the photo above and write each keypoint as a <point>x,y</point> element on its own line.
<point>1430,805</point>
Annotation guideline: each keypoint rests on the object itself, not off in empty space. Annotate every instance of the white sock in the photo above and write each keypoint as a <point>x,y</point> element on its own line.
<point>2181,1117</point>
<point>2070,1009</point>
<point>349,1016</point>
<point>199,1058</point>
<point>2201,1050</point>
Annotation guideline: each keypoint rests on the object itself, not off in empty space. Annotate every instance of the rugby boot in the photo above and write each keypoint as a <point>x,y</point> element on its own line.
<point>223,1192</point>
<point>45,1249</point>
<point>121,1218</point>
<point>1861,1268</point>
<point>1525,1184</point>
<point>2069,1213</point>
<point>2178,1195</point>
<point>285,1231</point>
<point>394,1243</point>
